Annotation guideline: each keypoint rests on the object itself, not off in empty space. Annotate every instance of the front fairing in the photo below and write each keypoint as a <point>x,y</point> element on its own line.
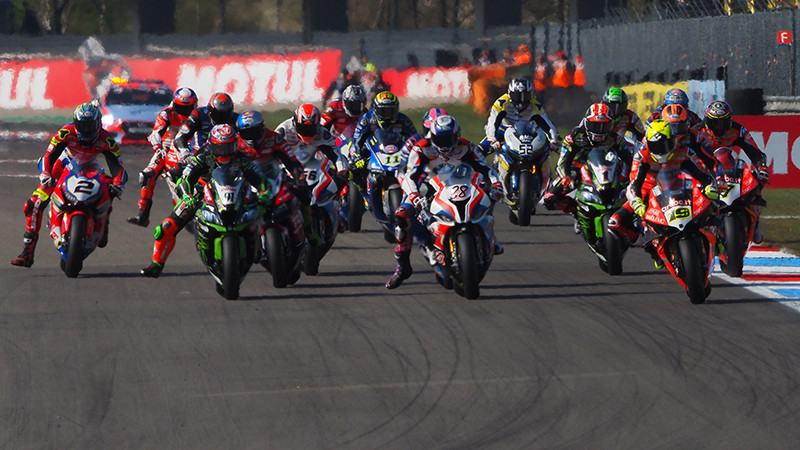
<point>457,200</point>
<point>601,183</point>
<point>675,203</point>
<point>385,156</point>
<point>228,202</point>
<point>735,180</point>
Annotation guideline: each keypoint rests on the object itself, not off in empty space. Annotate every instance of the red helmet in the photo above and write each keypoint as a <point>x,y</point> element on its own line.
<point>184,101</point>
<point>675,115</point>
<point>220,108</point>
<point>598,122</point>
<point>222,142</point>
<point>306,122</point>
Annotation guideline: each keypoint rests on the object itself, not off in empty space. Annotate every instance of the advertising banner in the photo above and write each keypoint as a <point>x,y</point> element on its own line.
<point>779,138</point>
<point>450,85</point>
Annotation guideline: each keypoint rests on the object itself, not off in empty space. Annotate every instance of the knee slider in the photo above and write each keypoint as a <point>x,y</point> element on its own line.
<point>162,229</point>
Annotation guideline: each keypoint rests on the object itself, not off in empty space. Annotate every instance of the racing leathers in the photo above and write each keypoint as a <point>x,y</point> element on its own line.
<point>166,126</point>
<point>629,126</point>
<point>425,160</point>
<point>200,166</point>
<point>324,141</point>
<point>505,114</point>
<point>336,120</point>
<point>369,123</point>
<point>574,150</point>
<point>65,145</point>
<point>693,118</point>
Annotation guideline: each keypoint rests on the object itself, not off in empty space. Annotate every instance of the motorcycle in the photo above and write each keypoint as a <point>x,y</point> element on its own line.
<point>679,224</point>
<point>462,228</point>
<point>227,225</point>
<point>604,179</point>
<point>382,190</point>
<point>738,188</point>
<point>523,164</point>
<point>351,200</point>
<point>81,202</point>
<point>317,170</point>
<point>283,238</point>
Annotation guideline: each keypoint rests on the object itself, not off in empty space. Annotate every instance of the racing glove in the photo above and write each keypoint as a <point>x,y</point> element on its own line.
<point>496,192</point>
<point>495,145</point>
<point>763,174</point>
<point>711,192</point>
<point>115,190</point>
<point>638,206</point>
<point>420,203</point>
<point>566,183</point>
<point>45,179</point>
<point>145,176</point>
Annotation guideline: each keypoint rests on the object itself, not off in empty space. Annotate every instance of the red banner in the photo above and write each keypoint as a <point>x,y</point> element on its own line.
<point>250,80</point>
<point>779,138</point>
<point>429,83</point>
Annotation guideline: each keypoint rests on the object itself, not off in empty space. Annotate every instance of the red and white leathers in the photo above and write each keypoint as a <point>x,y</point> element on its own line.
<point>272,149</point>
<point>629,122</point>
<point>336,119</point>
<point>737,136</point>
<point>166,126</point>
<point>323,141</point>
<point>65,144</point>
<point>425,160</point>
<point>644,168</point>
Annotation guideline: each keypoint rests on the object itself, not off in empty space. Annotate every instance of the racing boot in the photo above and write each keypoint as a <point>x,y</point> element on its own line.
<point>403,270</point>
<point>25,259</point>
<point>657,262</point>
<point>758,236</point>
<point>104,240</point>
<point>143,218</point>
<point>153,270</point>
<point>311,235</point>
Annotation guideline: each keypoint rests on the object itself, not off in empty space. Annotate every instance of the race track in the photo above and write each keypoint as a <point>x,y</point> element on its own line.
<point>555,353</point>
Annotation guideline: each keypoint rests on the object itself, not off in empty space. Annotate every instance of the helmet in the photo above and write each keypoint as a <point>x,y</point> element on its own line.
<point>719,118</point>
<point>86,119</point>
<point>520,90</point>
<point>184,101</point>
<point>675,115</point>
<point>220,108</point>
<point>222,142</point>
<point>430,116</point>
<point>674,96</point>
<point>444,135</point>
<point>306,122</point>
<point>353,100</point>
<point>387,107</point>
<point>617,101</point>
<point>598,122</point>
<point>660,141</point>
<point>251,127</point>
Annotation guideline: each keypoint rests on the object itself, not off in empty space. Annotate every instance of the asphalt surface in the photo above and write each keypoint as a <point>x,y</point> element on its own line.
<point>554,354</point>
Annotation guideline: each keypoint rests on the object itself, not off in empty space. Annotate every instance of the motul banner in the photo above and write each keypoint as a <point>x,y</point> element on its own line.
<point>779,138</point>
<point>429,83</point>
<point>250,80</point>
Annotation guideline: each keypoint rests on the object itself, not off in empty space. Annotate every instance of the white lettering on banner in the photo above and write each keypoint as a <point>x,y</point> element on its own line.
<point>777,150</point>
<point>256,82</point>
<point>29,90</point>
<point>452,84</point>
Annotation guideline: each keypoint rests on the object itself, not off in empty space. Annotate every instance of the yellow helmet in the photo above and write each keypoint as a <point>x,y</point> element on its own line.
<point>660,141</point>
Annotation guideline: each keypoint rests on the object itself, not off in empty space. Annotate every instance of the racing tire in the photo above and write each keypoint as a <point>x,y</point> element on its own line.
<point>395,198</point>
<point>467,253</point>
<point>73,262</point>
<point>275,256</point>
<point>355,207</point>
<point>314,253</point>
<point>446,281</point>
<point>613,249</point>
<point>230,267</point>
<point>525,200</point>
<point>693,274</point>
<point>733,230</point>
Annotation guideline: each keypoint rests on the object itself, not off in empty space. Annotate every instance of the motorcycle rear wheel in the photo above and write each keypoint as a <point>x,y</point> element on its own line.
<point>276,256</point>
<point>525,200</point>
<point>73,263</point>
<point>693,273</point>
<point>230,267</point>
<point>735,246</point>
<point>468,265</point>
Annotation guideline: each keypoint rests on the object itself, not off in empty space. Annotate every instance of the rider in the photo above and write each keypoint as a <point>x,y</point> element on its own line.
<point>219,150</point>
<point>625,120</point>
<point>516,105</point>
<point>265,147</point>
<point>166,126</point>
<point>386,115</point>
<point>82,138</point>
<point>443,144</point>
<point>661,151</point>
<point>675,96</point>
<point>718,129</point>
<point>341,116</point>
<point>200,122</point>
<point>595,130</point>
<point>427,120</point>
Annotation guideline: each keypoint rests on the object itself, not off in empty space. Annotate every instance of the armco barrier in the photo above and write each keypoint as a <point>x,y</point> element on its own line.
<point>779,138</point>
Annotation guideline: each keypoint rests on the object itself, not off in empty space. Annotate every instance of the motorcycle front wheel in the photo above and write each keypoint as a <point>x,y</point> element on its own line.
<point>314,253</point>
<point>355,208</point>
<point>693,273</point>
<point>275,256</point>
<point>467,253</point>
<point>735,245</point>
<point>613,249</point>
<point>525,199</point>
<point>73,262</point>
<point>230,267</point>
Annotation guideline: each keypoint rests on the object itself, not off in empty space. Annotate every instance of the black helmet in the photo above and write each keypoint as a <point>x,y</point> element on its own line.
<point>220,108</point>
<point>86,119</point>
